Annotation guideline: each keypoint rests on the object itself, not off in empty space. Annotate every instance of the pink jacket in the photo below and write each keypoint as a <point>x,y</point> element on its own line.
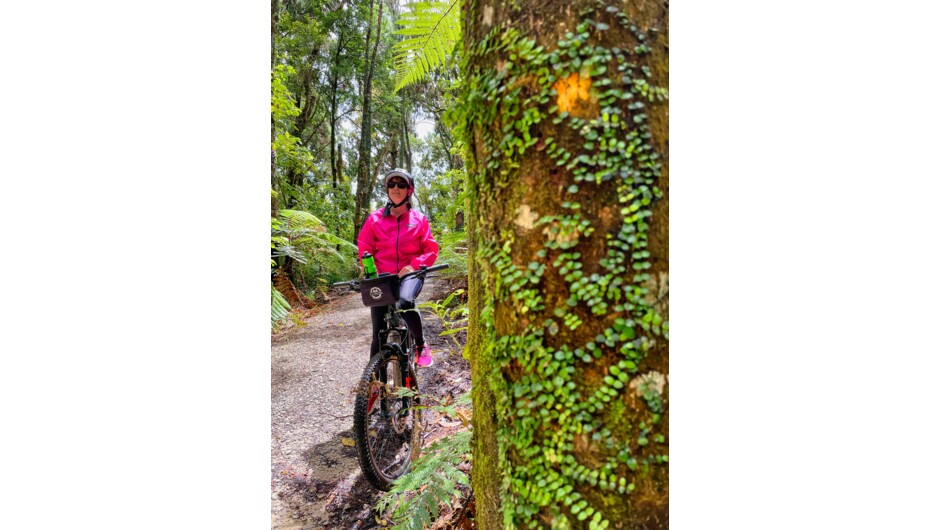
<point>396,242</point>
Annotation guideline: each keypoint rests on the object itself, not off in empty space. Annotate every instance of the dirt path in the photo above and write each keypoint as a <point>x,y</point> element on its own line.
<point>315,479</point>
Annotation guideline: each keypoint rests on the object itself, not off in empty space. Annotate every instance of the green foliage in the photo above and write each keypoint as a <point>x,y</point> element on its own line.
<point>308,40</point>
<point>288,150</point>
<point>325,257</point>
<point>308,233</point>
<point>416,497</point>
<point>282,104</point>
<point>453,251</point>
<point>279,307</point>
<point>280,244</point>
<point>333,206</point>
<point>452,313</point>
<point>432,31</point>
<point>432,482</point>
<point>554,390</point>
<point>324,269</point>
<point>444,196</point>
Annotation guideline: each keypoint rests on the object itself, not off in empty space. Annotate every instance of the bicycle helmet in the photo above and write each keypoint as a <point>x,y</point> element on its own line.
<point>401,173</point>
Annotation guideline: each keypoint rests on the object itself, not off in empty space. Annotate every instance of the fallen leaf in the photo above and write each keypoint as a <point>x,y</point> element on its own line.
<point>349,442</point>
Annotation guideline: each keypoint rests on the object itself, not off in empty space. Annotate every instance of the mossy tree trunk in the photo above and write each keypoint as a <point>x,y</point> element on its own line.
<point>564,116</point>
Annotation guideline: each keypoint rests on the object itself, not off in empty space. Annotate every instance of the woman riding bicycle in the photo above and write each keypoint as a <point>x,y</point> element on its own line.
<point>400,239</point>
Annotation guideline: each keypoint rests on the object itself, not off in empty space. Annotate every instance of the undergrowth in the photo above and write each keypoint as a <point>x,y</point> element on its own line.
<point>453,251</point>
<point>416,498</point>
<point>453,313</point>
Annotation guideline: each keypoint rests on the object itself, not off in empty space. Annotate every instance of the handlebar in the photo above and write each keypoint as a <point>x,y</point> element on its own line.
<point>424,270</point>
<point>354,284</point>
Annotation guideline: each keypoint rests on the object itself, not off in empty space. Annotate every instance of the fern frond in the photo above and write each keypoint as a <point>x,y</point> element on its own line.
<point>299,219</point>
<point>423,515</point>
<point>431,29</point>
<point>307,235</point>
<point>432,481</point>
<point>279,306</point>
<point>340,241</point>
<point>442,493</point>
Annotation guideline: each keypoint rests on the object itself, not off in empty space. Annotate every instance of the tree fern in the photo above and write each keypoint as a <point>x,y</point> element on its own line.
<point>308,233</point>
<point>431,30</point>
<point>299,219</point>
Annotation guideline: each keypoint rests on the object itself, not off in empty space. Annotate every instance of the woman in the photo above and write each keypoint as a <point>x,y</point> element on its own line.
<point>400,240</point>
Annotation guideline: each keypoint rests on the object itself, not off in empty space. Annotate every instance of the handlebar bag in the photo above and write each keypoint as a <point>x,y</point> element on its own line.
<point>379,291</point>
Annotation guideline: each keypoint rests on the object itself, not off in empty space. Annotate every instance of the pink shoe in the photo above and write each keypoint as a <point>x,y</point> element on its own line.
<point>424,357</point>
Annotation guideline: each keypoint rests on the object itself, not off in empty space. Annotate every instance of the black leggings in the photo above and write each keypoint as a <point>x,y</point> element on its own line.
<point>407,293</point>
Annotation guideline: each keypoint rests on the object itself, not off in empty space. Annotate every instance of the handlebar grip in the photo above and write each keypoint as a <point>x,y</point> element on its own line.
<point>424,270</point>
<point>437,267</point>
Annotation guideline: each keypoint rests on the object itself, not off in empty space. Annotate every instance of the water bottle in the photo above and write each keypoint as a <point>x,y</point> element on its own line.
<point>368,265</point>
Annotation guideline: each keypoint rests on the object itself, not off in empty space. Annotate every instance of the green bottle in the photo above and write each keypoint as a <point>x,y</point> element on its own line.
<point>368,265</point>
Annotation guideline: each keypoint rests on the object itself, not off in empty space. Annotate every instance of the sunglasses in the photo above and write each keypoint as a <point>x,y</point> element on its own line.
<point>399,184</point>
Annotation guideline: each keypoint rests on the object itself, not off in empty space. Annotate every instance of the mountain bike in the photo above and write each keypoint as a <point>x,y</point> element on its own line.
<point>387,422</point>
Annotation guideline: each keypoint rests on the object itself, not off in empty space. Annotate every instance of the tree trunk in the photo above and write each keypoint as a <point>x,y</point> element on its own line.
<point>295,179</point>
<point>394,151</point>
<point>405,140</point>
<point>453,161</point>
<point>564,116</point>
<point>389,149</point>
<point>334,88</point>
<point>306,100</point>
<point>339,164</point>
<point>273,158</point>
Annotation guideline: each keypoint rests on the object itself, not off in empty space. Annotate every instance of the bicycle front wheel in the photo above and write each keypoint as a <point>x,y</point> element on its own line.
<point>387,428</point>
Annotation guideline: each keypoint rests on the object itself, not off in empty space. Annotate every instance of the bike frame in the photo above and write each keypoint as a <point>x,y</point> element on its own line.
<point>394,323</point>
